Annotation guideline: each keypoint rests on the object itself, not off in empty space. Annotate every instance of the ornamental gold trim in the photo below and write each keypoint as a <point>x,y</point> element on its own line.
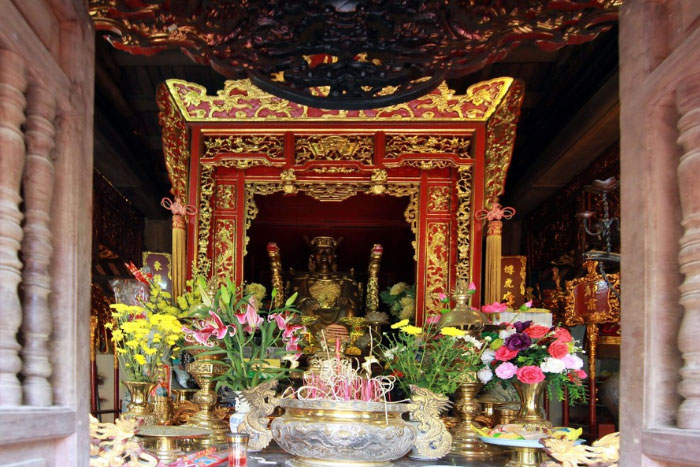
<point>241,100</point>
<point>207,183</point>
<point>270,145</point>
<point>500,140</point>
<point>612,315</point>
<point>358,148</point>
<point>464,222</point>
<point>437,265</point>
<point>175,141</point>
<point>225,250</point>
<point>396,145</point>
<point>334,170</point>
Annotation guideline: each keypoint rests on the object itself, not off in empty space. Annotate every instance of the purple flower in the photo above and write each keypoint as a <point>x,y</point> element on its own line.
<point>520,326</point>
<point>518,341</point>
<point>506,370</point>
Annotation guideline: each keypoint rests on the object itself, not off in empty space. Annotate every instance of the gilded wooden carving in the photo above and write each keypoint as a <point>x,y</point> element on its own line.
<point>590,300</point>
<point>206,183</point>
<point>226,197</point>
<point>439,198</point>
<point>334,148</point>
<point>225,250</point>
<point>437,271</point>
<point>270,145</point>
<point>175,141</point>
<point>464,222</point>
<point>397,145</point>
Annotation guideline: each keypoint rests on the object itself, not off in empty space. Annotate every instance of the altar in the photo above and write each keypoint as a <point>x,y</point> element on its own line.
<point>441,157</point>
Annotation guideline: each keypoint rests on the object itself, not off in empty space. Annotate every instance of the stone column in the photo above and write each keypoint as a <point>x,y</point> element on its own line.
<point>688,103</point>
<point>38,182</point>
<point>13,82</point>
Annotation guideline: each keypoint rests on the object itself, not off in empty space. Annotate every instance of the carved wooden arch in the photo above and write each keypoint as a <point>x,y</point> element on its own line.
<point>451,152</point>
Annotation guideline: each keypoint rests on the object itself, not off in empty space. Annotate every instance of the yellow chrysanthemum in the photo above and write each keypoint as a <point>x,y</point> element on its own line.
<point>400,324</point>
<point>132,344</point>
<point>452,332</point>
<point>414,330</point>
<point>140,359</point>
<point>117,335</point>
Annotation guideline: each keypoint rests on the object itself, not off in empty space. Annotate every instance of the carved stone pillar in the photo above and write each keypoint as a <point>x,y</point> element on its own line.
<point>13,82</point>
<point>38,182</point>
<point>688,103</point>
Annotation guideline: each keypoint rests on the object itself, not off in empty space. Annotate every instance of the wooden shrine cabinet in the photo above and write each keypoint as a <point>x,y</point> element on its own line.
<point>446,154</point>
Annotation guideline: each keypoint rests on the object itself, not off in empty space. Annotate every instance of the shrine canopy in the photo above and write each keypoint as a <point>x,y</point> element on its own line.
<point>447,155</point>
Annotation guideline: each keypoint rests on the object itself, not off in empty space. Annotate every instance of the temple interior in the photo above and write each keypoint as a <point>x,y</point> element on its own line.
<point>544,188</point>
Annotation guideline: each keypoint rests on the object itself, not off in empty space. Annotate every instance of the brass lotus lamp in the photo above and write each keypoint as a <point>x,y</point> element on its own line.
<point>463,316</point>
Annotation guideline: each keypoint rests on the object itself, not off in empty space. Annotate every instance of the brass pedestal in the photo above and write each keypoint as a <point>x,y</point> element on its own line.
<point>204,372</point>
<point>166,438</point>
<point>465,442</point>
<point>524,457</point>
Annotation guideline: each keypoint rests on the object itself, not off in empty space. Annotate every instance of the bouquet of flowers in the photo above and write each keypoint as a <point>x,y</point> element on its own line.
<point>431,357</point>
<point>146,334</point>
<point>401,300</point>
<point>530,353</point>
<point>229,323</point>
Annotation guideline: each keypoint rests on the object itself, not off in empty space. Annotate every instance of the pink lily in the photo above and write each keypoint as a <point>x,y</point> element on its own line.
<point>218,328</point>
<point>495,307</point>
<point>293,344</point>
<point>251,314</point>
<point>279,319</point>
<point>200,335</point>
<point>432,319</point>
<point>290,330</point>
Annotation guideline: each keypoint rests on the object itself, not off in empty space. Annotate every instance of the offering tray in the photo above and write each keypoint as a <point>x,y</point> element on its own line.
<point>167,437</point>
<point>525,452</point>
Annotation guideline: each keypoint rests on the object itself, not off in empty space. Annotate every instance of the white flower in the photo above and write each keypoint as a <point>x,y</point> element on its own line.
<point>552,365</point>
<point>472,340</point>
<point>505,333</point>
<point>488,356</point>
<point>397,288</point>
<point>485,375</point>
<point>389,354</point>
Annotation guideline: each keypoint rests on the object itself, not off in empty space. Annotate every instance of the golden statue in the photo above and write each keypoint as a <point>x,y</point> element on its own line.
<point>323,292</point>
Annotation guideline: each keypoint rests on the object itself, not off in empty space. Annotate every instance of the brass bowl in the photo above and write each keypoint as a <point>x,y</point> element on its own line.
<point>322,433</point>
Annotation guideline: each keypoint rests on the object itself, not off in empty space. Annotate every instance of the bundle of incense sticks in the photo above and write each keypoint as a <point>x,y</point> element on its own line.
<point>337,380</point>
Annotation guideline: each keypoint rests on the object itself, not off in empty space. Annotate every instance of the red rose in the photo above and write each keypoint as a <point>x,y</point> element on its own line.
<point>581,374</point>
<point>563,335</point>
<point>536,331</point>
<point>558,349</point>
<point>504,353</point>
<point>530,374</point>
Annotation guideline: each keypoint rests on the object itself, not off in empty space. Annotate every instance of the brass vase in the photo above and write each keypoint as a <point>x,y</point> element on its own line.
<point>204,370</point>
<point>465,442</point>
<point>138,408</point>
<point>531,415</point>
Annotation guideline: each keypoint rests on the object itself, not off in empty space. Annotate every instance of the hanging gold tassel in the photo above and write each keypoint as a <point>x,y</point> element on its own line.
<point>492,270</point>
<point>178,270</point>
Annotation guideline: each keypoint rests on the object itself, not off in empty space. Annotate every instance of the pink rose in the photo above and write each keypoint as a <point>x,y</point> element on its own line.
<point>504,353</point>
<point>581,374</point>
<point>558,349</point>
<point>530,374</point>
<point>506,370</point>
<point>536,331</point>
<point>572,362</point>
<point>563,335</point>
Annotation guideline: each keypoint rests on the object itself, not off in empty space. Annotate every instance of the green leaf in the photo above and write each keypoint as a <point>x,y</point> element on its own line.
<point>496,344</point>
<point>273,294</point>
<point>202,286</point>
<point>225,296</point>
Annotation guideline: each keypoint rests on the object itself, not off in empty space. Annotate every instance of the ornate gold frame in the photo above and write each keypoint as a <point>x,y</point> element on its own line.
<point>611,316</point>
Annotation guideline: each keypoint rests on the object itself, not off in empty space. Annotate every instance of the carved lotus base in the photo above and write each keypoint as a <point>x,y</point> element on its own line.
<point>327,433</point>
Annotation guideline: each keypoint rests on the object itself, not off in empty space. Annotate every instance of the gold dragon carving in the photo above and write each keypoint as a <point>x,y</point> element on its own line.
<point>396,145</point>
<point>464,222</point>
<point>206,190</point>
<point>439,198</point>
<point>433,440</point>
<point>241,100</point>
<point>263,401</point>
<point>437,269</point>
<point>225,250</point>
<point>358,148</point>
<point>270,145</point>
<point>225,197</point>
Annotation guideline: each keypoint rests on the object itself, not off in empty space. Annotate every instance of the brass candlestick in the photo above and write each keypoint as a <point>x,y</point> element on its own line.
<point>465,442</point>
<point>524,457</point>
<point>204,372</point>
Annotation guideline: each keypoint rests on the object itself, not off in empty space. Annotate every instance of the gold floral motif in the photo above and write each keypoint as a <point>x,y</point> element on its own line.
<point>396,145</point>
<point>425,163</point>
<point>500,139</point>
<point>251,212</point>
<point>464,222</point>
<point>225,250</point>
<point>439,198</point>
<point>523,274</point>
<point>241,100</point>
<point>270,145</point>
<point>437,270</point>
<point>175,142</point>
<point>335,170</point>
<point>334,148</point>
<point>240,163</point>
<point>206,182</point>
<point>225,197</point>
<point>332,191</point>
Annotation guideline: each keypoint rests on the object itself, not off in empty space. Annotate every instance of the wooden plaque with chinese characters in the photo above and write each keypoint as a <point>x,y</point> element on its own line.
<point>513,275</point>
<point>589,299</point>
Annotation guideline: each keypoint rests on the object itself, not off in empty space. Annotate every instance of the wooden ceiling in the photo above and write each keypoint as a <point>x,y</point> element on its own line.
<point>559,87</point>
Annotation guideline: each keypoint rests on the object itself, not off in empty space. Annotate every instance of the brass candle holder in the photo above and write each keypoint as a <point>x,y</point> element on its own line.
<point>465,442</point>
<point>166,439</point>
<point>204,370</point>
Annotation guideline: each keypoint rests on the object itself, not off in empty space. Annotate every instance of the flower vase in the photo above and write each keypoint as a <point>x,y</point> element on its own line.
<point>433,441</point>
<point>242,409</point>
<point>531,415</point>
<point>138,408</point>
